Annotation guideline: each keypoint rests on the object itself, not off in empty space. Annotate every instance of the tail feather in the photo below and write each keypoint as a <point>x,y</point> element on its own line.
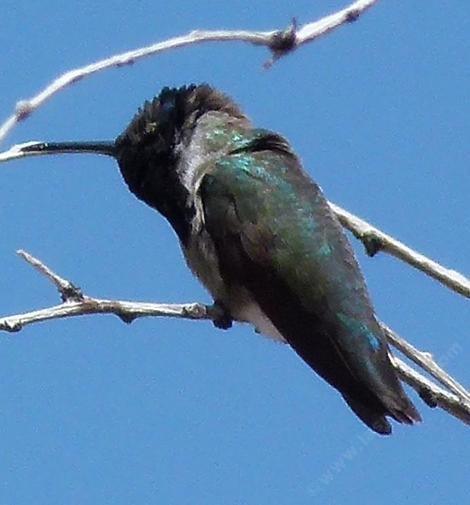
<point>405,412</point>
<point>372,416</point>
<point>372,411</point>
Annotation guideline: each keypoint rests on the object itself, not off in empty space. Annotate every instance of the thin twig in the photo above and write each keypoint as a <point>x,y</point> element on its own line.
<point>279,42</point>
<point>455,399</point>
<point>425,361</point>
<point>375,240</point>
<point>67,290</point>
<point>431,393</point>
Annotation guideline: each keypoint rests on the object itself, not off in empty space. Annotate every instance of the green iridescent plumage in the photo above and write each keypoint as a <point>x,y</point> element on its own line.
<point>276,235</point>
<point>259,234</point>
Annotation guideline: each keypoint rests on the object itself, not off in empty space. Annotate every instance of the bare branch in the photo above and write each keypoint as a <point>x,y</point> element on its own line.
<point>375,240</point>
<point>455,399</point>
<point>279,42</point>
<point>127,311</point>
<point>75,303</point>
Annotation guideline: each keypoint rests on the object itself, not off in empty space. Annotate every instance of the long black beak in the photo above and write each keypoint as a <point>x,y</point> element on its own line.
<point>106,148</point>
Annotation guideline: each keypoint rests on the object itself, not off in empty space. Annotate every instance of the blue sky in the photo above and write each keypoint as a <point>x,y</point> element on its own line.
<point>177,412</point>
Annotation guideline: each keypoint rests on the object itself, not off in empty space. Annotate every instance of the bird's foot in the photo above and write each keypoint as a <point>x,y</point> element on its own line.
<point>221,316</point>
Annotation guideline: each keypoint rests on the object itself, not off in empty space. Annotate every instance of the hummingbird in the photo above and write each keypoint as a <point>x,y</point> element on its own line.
<point>257,231</point>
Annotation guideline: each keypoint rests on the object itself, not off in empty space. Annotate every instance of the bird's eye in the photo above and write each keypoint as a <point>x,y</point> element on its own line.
<point>150,128</point>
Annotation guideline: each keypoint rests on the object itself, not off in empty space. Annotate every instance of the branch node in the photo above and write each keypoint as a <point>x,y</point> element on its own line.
<point>428,397</point>
<point>76,77</point>
<point>353,15</point>
<point>282,42</point>
<point>70,293</point>
<point>23,109</point>
<point>196,311</point>
<point>372,243</point>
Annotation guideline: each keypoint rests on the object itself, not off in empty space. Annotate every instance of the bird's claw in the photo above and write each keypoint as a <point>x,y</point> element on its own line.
<point>221,316</point>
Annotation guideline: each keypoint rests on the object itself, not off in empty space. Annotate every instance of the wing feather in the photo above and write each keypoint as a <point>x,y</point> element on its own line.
<point>276,235</point>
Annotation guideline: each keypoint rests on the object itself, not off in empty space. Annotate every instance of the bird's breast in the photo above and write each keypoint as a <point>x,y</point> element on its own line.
<point>201,257</point>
